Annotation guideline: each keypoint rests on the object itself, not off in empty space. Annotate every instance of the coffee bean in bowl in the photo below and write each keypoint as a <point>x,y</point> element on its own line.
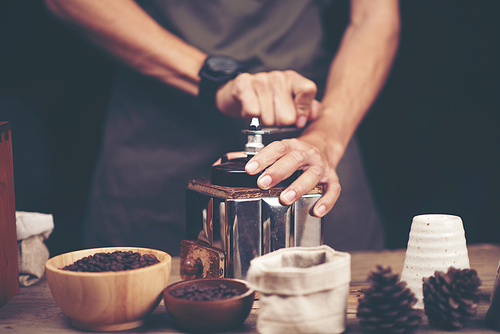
<point>109,300</point>
<point>200,292</point>
<point>208,305</point>
<point>114,261</point>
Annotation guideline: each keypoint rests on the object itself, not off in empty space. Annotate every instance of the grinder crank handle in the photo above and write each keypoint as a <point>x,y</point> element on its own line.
<point>255,131</point>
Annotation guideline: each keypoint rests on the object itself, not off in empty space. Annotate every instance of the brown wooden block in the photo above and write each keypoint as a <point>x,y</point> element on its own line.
<point>201,261</point>
<point>9,269</point>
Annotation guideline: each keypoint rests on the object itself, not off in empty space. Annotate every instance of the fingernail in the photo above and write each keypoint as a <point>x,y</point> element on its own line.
<point>265,181</point>
<point>289,195</point>
<point>320,211</point>
<point>251,166</point>
<point>301,121</point>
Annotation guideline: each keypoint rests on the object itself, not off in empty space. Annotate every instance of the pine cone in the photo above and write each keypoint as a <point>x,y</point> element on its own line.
<point>451,299</point>
<point>387,305</point>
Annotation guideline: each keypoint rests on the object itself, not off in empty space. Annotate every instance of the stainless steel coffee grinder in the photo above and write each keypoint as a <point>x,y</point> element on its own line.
<point>230,221</point>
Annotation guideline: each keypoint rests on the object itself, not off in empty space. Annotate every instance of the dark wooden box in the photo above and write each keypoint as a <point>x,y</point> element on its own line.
<point>9,269</point>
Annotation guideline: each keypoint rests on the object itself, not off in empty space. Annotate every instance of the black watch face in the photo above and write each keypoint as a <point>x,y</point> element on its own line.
<point>222,64</point>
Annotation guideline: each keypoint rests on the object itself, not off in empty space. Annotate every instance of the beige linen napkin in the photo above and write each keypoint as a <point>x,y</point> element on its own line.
<point>33,229</point>
<point>301,290</point>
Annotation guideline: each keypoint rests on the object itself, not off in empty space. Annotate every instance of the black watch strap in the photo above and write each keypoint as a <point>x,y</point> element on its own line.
<point>215,72</point>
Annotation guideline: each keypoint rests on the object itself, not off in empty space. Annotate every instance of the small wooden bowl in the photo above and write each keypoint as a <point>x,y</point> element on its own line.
<point>210,316</point>
<point>108,301</point>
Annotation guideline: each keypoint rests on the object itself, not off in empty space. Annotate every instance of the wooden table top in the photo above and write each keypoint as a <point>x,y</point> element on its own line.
<point>33,310</point>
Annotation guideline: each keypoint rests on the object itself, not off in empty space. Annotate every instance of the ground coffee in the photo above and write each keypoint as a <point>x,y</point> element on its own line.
<point>115,261</point>
<point>197,292</point>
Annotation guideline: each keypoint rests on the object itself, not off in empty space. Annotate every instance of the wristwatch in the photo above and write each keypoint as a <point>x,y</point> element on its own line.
<point>215,72</point>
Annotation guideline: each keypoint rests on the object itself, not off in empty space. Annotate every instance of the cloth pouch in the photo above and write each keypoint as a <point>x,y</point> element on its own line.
<point>33,229</point>
<point>301,290</point>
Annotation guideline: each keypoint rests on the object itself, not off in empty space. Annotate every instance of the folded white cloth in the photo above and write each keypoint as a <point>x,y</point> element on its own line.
<point>33,223</point>
<point>33,229</point>
<point>301,290</point>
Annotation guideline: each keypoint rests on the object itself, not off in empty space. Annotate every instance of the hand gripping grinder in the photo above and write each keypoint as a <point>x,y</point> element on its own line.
<point>230,221</point>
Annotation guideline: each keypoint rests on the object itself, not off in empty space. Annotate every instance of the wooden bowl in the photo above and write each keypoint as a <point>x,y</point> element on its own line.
<point>108,301</point>
<point>210,316</point>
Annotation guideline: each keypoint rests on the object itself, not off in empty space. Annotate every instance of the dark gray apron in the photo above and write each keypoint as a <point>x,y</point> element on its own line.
<point>156,138</point>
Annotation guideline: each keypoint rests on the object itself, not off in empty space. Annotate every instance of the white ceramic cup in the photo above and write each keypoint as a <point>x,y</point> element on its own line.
<point>436,242</point>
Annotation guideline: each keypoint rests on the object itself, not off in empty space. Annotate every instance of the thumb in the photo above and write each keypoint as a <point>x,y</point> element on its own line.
<point>311,113</point>
<point>304,106</point>
<point>316,108</point>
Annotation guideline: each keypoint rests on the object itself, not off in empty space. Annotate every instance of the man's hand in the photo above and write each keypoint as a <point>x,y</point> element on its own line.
<point>284,157</point>
<point>356,76</point>
<point>278,98</point>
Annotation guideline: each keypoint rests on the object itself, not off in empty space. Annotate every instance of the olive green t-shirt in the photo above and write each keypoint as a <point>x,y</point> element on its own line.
<point>264,34</point>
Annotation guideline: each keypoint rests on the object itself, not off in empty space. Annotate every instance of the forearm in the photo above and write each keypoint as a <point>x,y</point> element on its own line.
<point>129,34</point>
<point>357,73</point>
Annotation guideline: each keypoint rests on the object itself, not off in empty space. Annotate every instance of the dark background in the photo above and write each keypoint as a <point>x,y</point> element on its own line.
<point>431,141</point>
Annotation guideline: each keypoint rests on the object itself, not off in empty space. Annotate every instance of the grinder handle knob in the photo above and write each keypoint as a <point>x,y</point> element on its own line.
<point>192,266</point>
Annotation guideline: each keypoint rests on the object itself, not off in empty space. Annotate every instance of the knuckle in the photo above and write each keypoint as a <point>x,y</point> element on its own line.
<point>300,157</point>
<point>243,77</point>
<point>292,142</point>
<point>299,188</point>
<point>333,189</point>
<point>238,87</point>
<point>315,153</point>
<point>241,82</point>
<point>277,171</point>
<point>329,199</point>
<point>265,157</point>
<point>279,146</point>
<point>277,77</point>
<point>261,81</point>
<point>290,73</point>
<point>317,171</point>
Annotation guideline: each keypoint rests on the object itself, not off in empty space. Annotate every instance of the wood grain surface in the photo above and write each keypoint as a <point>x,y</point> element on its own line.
<point>33,310</point>
<point>204,186</point>
<point>9,269</point>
